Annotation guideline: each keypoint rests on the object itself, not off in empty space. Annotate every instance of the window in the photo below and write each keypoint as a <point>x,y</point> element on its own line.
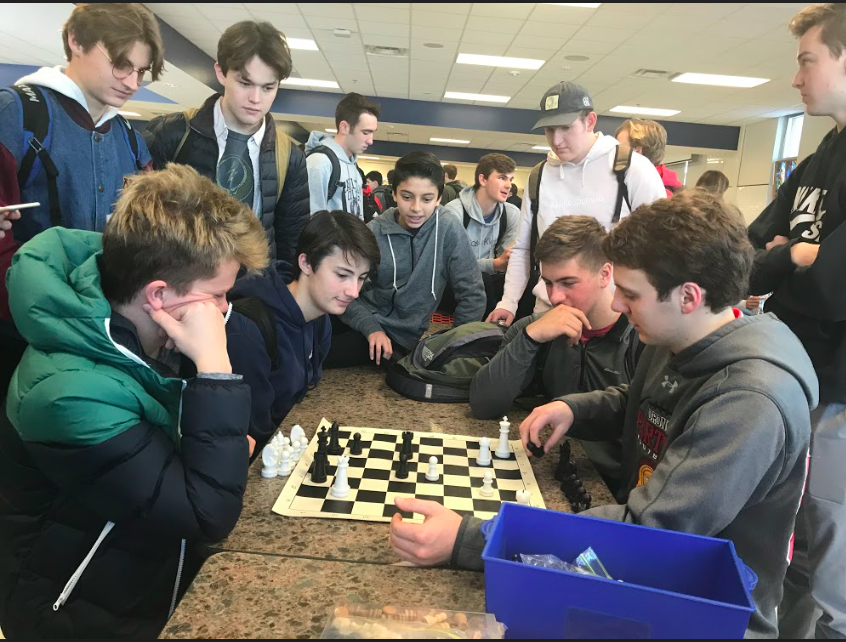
<point>792,136</point>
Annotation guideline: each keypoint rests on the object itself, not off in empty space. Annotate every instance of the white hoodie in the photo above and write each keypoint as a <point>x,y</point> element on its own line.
<point>55,78</point>
<point>588,188</point>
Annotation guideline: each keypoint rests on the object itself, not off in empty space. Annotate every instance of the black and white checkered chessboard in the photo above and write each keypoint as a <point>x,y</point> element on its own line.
<point>374,484</point>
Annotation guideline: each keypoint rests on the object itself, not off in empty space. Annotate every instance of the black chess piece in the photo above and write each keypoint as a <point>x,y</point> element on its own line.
<point>537,451</point>
<point>318,470</point>
<point>355,445</point>
<point>335,447</point>
<point>407,448</point>
<point>402,469</point>
<point>322,440</point>
<point>564,463</point>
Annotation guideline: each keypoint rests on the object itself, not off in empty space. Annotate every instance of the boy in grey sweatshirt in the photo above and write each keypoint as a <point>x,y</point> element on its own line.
<point>422,249</point>
<point>716,422</point>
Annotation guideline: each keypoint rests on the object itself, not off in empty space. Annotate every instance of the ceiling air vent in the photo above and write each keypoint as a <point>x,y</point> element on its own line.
<point>655,74</point>
<point>389,52</point>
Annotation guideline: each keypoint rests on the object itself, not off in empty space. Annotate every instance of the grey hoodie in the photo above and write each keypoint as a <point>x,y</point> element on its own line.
<point>720,432</point>
<point>348,196</point>
<point>483,235</point>
<point>407,287</point>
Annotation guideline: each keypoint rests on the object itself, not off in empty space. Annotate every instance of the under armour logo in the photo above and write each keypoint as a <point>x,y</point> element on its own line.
<point>672,385</point>
<point>586,101</point>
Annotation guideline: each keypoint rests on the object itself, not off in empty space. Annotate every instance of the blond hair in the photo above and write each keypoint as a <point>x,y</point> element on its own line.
<point>650,136</point>
<point>179,227</point>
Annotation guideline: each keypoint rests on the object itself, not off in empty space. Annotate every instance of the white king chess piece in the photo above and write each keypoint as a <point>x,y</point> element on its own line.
<point>502,450</point>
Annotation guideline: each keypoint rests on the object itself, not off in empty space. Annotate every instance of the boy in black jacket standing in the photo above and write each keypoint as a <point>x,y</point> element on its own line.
<point>800,240</point>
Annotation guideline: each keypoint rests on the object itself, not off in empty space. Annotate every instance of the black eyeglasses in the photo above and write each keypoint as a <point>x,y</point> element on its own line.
<point>125,70</point>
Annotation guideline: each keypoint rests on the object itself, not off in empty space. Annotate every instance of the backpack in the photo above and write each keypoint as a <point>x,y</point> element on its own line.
<point>37,140</point>
<point>384,197</point>
<point>370,205</point>
<point>335,176</point>
<point>503,225</point>
<point>442,365</point>
<point>283,152</point>
<point>256,311</point>
<point>622,162</point>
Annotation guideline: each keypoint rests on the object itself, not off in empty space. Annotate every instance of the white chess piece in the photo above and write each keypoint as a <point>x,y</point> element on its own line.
<point>524,497</point>
<point>341,487</point>
<point>295,451</point>
<point>303,445</point>
<point>297,433</point>
<point>269,458</point>
<point>285,463</point>
<point>285,442</point>
<point>277,440</point>
<point>432,474</point>
<point>502,450</point>
<point>487,485</point>
<point>484,458</point>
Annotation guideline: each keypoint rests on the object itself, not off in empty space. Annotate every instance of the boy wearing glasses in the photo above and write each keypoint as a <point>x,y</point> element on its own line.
<point>72,114</point>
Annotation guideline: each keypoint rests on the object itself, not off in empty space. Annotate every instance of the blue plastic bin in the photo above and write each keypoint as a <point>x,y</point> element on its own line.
<point>674,585</point>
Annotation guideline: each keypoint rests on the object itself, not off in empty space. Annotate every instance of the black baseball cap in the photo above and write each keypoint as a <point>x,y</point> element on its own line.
<point>562,104</point>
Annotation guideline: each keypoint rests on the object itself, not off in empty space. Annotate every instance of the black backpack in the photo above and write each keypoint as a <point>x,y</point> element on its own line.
<point>335,176</point>
<point>384,197</point>
<point>256,311</point>
<point>36,123</point>
<point>622,162</point>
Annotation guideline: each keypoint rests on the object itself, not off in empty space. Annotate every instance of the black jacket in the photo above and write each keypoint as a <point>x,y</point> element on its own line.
<point>55,501</point>
<point>523,367</point>
<point>810,208</point>
<point>283,221</point>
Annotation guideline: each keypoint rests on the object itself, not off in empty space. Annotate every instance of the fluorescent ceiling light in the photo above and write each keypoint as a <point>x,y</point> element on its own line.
<point>586,5</point>
<point>499,61</point>
<point>331,131</point>
<point>542,148</point>
<point>644,111</point>
<point>486,98</point>
<point>131,114</point>
<point>304,44</point>
<point>449,140</point>
<point>310,82</point>
<point>369,157</point>
<point>720,81</point>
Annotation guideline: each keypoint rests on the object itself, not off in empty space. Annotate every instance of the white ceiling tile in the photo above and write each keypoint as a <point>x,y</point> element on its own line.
<point>586,47</point>
<point>428,34</point>
<point>213,11</point>
<point>554,13</point>
<point>734,29</point>
<point>487,49</point>
<point>341,10</point>
<point>694,10</point>
<point>537,42</point>
<point>382,15</point>
<point>281,21</point>
<point>603,34</point>
<point>509,10</point>
<point>273,7</point>
<point>555,30</point>
<point>492,25</point>
<point>631,21</point>
<point>327,23</point>
<point>429,19</point>
<point>383,28</point>
<point>462,8</point>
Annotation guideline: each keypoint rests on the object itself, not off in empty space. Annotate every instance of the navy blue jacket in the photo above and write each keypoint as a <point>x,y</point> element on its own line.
<point>302,347</point>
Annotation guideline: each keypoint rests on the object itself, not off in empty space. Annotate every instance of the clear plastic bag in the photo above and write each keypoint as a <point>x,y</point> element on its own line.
<point>363,621</point>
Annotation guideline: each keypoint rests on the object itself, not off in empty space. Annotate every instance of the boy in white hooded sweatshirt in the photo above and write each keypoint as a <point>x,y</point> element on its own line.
<point>577,179</point>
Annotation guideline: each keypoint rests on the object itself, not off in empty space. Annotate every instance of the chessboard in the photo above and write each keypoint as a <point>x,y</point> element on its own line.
<point>374,484</point>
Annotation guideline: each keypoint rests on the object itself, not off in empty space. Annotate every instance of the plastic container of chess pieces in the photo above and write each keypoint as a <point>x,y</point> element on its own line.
<point>390,622</point>
<point>666,584</point>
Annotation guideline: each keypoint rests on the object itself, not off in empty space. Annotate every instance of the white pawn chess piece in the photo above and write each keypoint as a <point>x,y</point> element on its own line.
<point>297,433</point>
<point>269,458</point>
<point>341,487</point>
<point>277,440</point>
<point>524,497</point>
<point>487,485</point>
<point>303,445</point>
<point>295,451</point>
<point>285,463</point>
<point>484,458</point>
<point>285,442</point>
<point>432,474</point>
<point>502,450</point>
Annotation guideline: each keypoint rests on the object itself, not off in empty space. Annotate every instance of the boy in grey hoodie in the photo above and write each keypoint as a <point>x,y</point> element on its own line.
<point>356,119</point>
<point>490,221</point>
<point>716,422</point>
<point>423,249</point>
